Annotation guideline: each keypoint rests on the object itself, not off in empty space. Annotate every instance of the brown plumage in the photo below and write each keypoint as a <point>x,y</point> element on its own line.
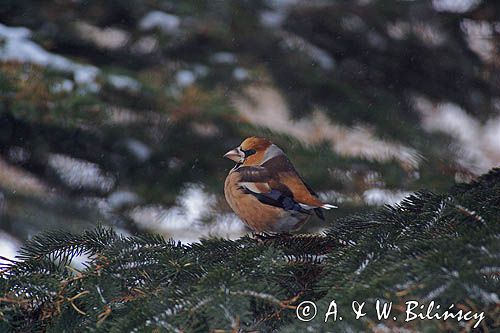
<point>265,190</point>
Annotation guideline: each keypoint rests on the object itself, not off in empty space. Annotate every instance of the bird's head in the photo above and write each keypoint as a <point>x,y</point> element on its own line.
<point>251,151</point>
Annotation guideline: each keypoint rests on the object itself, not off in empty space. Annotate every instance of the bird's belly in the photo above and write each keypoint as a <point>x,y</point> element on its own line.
<point>258,216</point>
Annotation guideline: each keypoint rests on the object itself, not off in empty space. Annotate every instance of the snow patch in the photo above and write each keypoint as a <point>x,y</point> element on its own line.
<point>455,6</point>
<point>357,141</point>
<point>479,36</point>
<point>19,180</point>
<point>398,30</point>
<point>63,86</point>
<point>377,196</point>
<point>240,74</point>
<point>184,221</point>
<point>9,246</point>
<point>429,34</point>
<point>140,150</point>
<point>352,23</point>
<point>272,19</point>
<point>318,55</point>
<point>145,45</point>
<point>477,145</point>
<point>80,174</point>
<point>124,82</point>
<point>104,38</point>
<point>18,154</point>
<point>223,58</point>
<point>200,70</point>
<point>166,22</point>
<point>185,78</point>
<point>119,199</point>
<point>17,47</point>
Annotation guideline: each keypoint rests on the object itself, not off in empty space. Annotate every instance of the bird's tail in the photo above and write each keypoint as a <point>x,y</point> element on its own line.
<point>328,206</point>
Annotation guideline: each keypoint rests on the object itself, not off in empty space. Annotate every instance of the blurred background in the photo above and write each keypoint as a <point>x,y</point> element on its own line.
<point>118,112</point>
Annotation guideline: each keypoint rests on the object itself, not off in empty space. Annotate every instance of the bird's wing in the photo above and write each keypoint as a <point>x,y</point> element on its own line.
<point>277,183</point>
<point>259,182</point>
<point>285,174</point>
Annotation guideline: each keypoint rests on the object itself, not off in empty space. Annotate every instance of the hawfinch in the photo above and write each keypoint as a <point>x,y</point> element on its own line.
<point>265,190</point>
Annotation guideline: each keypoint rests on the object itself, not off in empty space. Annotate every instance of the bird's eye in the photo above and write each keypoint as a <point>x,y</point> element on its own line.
<point>248,152</point>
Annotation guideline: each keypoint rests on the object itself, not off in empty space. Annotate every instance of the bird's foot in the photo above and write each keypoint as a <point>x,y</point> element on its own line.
<point>262,237</point>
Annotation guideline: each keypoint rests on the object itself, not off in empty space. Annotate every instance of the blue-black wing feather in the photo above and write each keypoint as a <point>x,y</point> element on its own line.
<point>277,199</point>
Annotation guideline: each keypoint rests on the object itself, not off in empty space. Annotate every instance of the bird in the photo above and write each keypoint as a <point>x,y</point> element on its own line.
<point>266,191</point>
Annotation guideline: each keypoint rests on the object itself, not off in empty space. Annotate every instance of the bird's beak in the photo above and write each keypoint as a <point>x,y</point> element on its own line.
<point>235,155</point>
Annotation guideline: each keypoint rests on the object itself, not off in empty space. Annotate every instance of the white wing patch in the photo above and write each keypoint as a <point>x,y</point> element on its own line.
<point>253,187</point>
<point>308,207</point>
<point>325,206</point>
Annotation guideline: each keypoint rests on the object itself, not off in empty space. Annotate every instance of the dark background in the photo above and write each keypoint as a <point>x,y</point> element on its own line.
<point>119,112</point>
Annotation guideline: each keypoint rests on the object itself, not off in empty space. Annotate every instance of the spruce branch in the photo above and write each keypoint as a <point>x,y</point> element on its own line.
<point>441,247</point>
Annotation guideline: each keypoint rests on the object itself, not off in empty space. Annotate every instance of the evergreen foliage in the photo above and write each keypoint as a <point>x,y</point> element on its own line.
<point>357,62</point>
<point>441,247</point>
<point>360,63</point>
